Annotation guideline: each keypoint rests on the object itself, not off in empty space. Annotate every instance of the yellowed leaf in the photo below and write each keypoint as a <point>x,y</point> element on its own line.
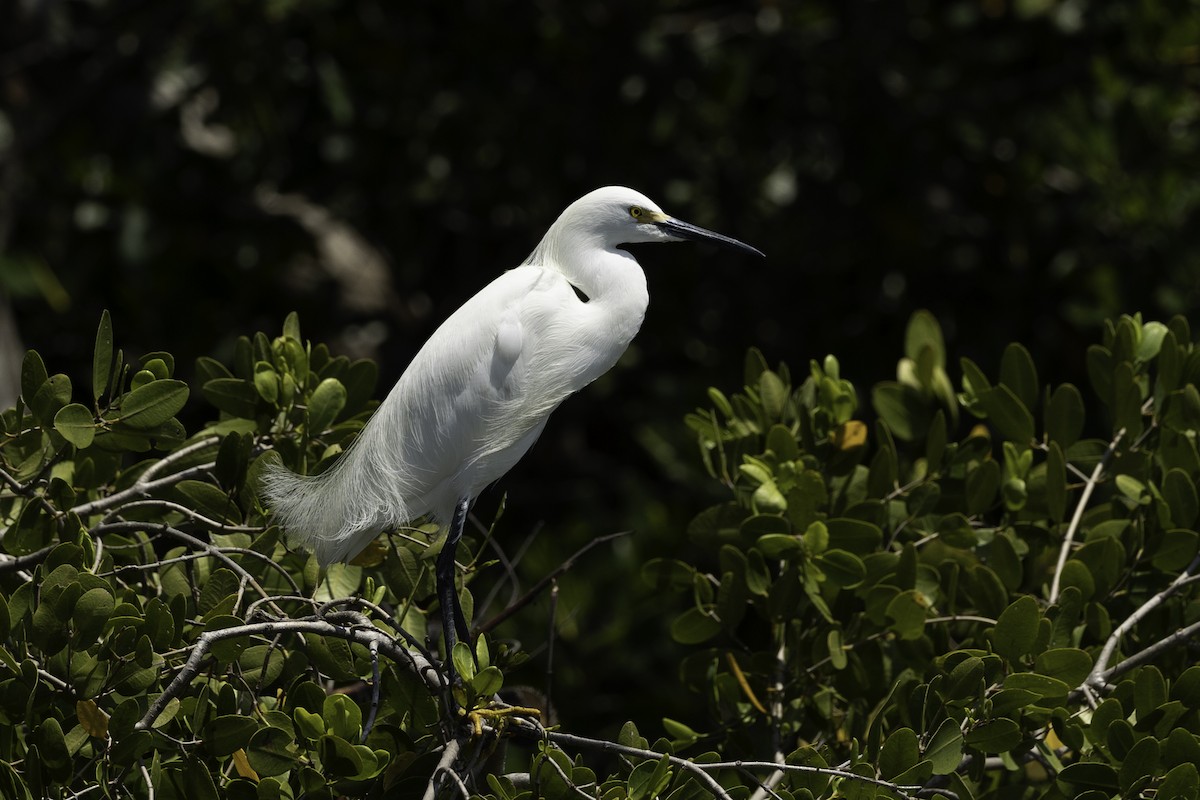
<point>242,765</point>
<point>852,434</point>
<point>92,718</point>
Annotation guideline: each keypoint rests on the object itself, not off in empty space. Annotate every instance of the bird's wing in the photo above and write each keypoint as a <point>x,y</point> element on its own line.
<point>477,394</point>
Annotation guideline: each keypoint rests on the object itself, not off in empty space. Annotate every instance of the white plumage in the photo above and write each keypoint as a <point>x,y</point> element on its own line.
<point>478,394</point>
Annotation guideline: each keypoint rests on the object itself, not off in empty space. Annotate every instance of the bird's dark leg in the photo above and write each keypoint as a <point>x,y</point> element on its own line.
<point>453,621</point>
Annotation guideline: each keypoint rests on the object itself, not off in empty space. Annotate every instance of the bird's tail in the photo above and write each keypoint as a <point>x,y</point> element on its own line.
<point>320,512</point>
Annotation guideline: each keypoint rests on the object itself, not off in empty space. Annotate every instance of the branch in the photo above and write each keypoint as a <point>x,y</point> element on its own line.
<point>700,771</point>
<point>10,563</point>
<point>145,485</point>
<point>1088,487</point>
<point>359,635</point>
<point>775,698</point>
<point>1146,654</point>
<point>1098,678</point>
<point>529,596</point>
<point>535,731</point>
<point>445,766</point>
<point>216,552</point>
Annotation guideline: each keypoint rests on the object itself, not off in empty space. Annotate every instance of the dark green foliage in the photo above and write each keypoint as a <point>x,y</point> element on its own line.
<point>964,598</point>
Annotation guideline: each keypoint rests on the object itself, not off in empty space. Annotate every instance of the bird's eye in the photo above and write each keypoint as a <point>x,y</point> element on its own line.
<point>636,212</point>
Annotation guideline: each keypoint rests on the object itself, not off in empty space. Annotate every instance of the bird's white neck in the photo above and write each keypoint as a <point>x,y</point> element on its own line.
<point>606,274</point>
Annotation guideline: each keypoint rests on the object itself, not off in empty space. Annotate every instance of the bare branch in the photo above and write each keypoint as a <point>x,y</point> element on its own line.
<point>219,553</point>
<point>145,483</point>
<point>1098,678</point>
<point>1088,487</point>
<point>446,767</point>
<point>363,635</point>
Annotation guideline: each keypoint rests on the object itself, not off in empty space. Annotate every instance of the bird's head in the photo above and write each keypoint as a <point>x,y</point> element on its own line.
<point>618,215</point>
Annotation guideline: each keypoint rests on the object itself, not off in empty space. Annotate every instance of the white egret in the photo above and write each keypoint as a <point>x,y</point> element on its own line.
<point>478,394</point>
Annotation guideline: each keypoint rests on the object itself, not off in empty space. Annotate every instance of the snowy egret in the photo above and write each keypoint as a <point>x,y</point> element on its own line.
<point>478,394</point>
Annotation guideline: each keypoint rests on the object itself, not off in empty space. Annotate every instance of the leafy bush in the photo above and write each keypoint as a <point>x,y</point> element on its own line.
<point>989,592</point>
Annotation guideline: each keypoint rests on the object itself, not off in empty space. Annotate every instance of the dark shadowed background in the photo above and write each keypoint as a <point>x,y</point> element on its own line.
<point>1023,169</point>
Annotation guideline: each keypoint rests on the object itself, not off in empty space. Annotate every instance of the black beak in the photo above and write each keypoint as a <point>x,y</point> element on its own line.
<point>686,230</point>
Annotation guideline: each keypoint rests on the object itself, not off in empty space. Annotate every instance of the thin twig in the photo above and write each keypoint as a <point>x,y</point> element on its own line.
<point>529,596</point>
<point>219,553</point>
<point>193,515</point>
<point>536,731</point>
<point>363,635</point>
<point>1088,487</point>
<point>528,727</point>
<point>775,700</point>
<point>552,635</point>
<point>145,485</point>
<point>1146,654</point>
<point>1100,672</point>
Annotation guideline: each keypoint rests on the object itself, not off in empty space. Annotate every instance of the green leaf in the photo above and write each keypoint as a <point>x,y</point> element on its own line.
<point>1018,373</point>
<point>76,424</point>
<point>681,734</point>
<point>995,736</point>
<point>464,661</point>
<point>271,751</point>
<point>102,356</point>
<point>153,404</point>
<point>908,611</point>
<point>339,757</point>
<point>92,610</point>
<point>779,545</point>
<point>1016,630</point>
<point>1186,688</point>
<point>1140,765</point>
<point>1176,551</point>
<point>841,568</point>
<point>1149,691</point>
<point>1180,493</point>
<point>1008,414</point>
<point>487,682</point>
<point>975,382</point>
<point>228,733</point>
<point>945,748</point>
<point>649,778</point>
<point>1067,664</point>
<point>853,535</point>
<point>982,484</point>
<point>894,404</point>
<point>1090,775</point>
<point>1151,341</point>
<point>311,726</point>
<point>266,382</point>
<point>1042,685</point>
<point>924,333</point>
<point>1056,482</point>
<point>33,375</point>
<point>343,717</point>
<point>232,395</point>
<point>1065,416</point>
<point>324,405</point>
<point>1181,783</point>
<point>773,395</point>
<point>694,626</point>
<point>900,752</point>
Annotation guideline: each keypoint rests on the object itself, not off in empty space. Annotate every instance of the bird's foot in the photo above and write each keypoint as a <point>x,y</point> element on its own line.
<point>498,715</point>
